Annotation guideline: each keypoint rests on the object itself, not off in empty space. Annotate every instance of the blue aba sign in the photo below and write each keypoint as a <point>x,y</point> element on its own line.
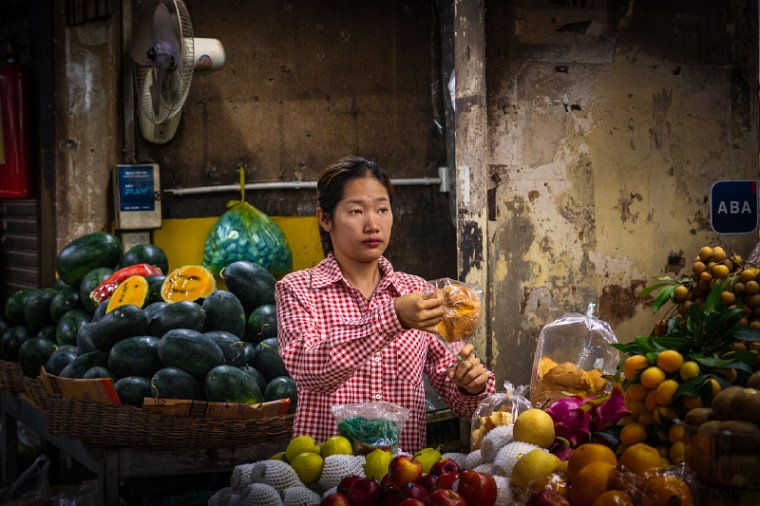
<point>733,207</point>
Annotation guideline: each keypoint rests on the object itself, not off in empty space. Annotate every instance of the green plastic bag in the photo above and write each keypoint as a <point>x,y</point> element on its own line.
<point>246,233</point>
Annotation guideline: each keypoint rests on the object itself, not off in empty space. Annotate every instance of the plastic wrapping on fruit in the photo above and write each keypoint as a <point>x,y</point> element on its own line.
<point>485,467</point>
<point>275,473</point>
<point>299,495</point>
<point>472,459</point>
<point>509,455</point>
<point>455,456</point>
<point>504,496</point>
<point>337,467</point>
<point>495,440</point>
<point>241,476</point>
<point>260,494</point>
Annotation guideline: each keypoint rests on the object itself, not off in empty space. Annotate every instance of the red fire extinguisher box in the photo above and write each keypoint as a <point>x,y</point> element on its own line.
<point>15,133</point>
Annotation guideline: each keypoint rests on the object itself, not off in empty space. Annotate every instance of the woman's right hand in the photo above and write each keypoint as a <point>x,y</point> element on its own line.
<point>416,311</point>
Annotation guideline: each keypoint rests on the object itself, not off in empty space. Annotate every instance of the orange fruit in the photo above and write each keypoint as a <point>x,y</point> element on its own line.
<point>677,452</point>
<point>705,253</point>
<point>651,400</point>
<point>613,498</point>
<point>633,433</point>
<point>634,364</point>
<point>676,433</point>
<point>665,391</point>
<point>689,370</point>
<point>636,392</point>
<point>718,254</point>
<point>591,482</point>
<point>714,385</point>
<point>645,418</point>
<point>652,377</point>
<point>587,453</point>
<point>666,490</point>
<point>681,293</point>
<point>691,401</point>
<point>640,458</point>
<point>669,361</point>
<point>720,271</point>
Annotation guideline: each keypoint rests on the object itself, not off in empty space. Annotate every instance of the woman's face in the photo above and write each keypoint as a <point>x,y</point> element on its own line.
<point>361,224</point>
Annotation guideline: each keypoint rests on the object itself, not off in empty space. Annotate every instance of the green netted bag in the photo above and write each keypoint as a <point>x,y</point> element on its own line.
<point>245,233</point>
<point>371,425</point>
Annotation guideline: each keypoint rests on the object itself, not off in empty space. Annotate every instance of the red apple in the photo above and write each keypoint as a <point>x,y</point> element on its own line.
<point>411,501</point>
<point>478,489</point>
<point>392,496</point>
<point>547,497</point>
<point>445,497</point>
<point>364,492</point>
<point>336,499</point>
<point>447,480</point>
<point>345,483</point>
<point>428,482</point>
<point>414,490</point>
<point>444,465</point>
<point>404,469</point>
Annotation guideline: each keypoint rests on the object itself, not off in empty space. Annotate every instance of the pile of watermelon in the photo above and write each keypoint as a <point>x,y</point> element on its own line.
<point>170,335</point>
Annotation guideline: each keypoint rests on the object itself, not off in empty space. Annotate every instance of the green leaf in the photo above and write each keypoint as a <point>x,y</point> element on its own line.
<point>672,343</point>
<point>628,348</point>
<point>713,298</point>
<point>665,295</point>
<point>649,289</point>
<point>746,334</point>
<point>645,344</point>
<point>691,386</point>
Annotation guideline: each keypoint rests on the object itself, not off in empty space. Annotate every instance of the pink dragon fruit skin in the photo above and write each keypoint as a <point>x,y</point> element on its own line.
<point>572,419</point>
<point>611,410</point>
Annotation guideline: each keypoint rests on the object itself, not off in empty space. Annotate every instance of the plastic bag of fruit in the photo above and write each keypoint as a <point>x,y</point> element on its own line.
<point>371,425</point>
<point>496,410</point>
<point>572,355</point>
<point>246,233</point>
<point>462,309</point>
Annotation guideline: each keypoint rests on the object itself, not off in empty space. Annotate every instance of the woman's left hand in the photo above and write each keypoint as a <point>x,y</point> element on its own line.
<point>469,374</point>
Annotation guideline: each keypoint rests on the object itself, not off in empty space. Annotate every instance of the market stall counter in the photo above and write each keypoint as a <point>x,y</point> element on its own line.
<point>112,465</point>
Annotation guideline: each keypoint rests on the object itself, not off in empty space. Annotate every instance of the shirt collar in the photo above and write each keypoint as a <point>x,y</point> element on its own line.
<point>328,272</point>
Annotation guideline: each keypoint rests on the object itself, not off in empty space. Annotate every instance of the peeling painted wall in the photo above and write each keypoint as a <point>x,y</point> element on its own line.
<point>86,128</point>
<point>608,124</point>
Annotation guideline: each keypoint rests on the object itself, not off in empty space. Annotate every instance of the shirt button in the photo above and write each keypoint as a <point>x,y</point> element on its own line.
<point>378,396</point>
<point>378,358</point>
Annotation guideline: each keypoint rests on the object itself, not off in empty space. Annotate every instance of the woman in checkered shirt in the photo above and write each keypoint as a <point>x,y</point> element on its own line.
<point>353,330</point>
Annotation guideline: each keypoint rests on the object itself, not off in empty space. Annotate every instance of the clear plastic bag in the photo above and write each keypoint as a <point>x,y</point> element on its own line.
<point>246,233</point>
<point>500,408</point>
<point>371,425</point>
<point>572,355</point>
<point>462,309</point>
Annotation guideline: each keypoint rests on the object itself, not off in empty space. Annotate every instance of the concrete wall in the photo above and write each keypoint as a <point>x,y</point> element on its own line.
<point>608,124</point>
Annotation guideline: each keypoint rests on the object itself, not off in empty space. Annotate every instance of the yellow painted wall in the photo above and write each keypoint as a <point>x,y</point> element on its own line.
<point>182,239</point>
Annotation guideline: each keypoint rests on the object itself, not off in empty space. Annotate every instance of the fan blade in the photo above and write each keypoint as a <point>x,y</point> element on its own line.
<point>142,43</point>
<point>155,93</point>
<point>167,53</point>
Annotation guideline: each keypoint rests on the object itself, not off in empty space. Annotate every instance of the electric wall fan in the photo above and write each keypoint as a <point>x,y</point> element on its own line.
<point>166,56</point>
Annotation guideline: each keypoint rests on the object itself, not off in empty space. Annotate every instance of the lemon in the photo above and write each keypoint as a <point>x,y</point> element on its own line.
<point>533,465</point>
<point>336,445</point>
<point>376,463</point>
<point>301,444</point>
<point>308,466</point>
<point>534,426</point>
<point>427,457</point>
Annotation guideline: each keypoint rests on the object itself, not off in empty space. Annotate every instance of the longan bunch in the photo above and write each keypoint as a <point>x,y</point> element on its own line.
<point>652,402</point>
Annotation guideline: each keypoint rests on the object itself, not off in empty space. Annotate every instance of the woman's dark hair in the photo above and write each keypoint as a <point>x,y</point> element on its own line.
<point>332,183</point>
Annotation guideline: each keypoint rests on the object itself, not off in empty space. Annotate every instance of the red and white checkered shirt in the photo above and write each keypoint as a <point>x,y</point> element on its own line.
<point>343,349</point>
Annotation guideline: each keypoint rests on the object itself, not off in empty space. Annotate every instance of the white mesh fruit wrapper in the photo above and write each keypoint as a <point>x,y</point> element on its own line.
<point>509,455</point>
<point>234,500</point>
<point>221,497</point>
<point>276,473</point>
<point>472,460</point>
<point>456,457</point>
<point>300,496</point>
<point>329,492</point>
<point>241,476</point>
<point>260,494</point>
<point>338,467</point>
<point>495,440</point>
<point>504,495</point>
<point>485,468</point>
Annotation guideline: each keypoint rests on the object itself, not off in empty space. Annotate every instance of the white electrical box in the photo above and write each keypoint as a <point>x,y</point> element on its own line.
<point>137,191</point>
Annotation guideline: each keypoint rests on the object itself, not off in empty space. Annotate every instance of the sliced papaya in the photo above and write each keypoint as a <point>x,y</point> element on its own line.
<point>134,290</point>
<point>189,282</point>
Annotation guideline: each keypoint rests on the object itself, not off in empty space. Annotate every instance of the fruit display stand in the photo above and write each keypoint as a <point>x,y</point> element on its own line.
<point>153,453</point>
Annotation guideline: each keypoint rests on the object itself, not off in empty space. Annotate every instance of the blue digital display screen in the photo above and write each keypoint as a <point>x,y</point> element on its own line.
<point>136,189</point>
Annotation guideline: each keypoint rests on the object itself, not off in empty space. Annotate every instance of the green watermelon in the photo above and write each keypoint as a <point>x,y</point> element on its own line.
<point>133,390</point>
<point>251,283</point>
<point>225,383</point>
<point>37,309</point>
<point>190,351</point>
<point>98,372</point>
<point>68,326</point>
<point>184,314</point>
<point>59,359</point>
<point>232,347</point>
<point>282,387</point>
<point>83,363</point>
<point>64,301</point>
<point>11,342</point>
<point>267,359</point>
<point>89,283</point>
<point>82,255</point>
<point>146,254</point>
<point>135,356</point>
<point>173,383</point>
<point>224,312</point>
<point>33,354</point>
<point>14,306</point>
<point>262,324</point>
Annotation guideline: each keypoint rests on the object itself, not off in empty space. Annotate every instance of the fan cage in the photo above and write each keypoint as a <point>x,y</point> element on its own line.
<point>169,106</point>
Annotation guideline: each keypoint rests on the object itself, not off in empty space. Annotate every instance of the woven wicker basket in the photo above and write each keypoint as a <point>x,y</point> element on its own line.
<point>129,426</point>
<point>35,392</point>
<point>10,376</point>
